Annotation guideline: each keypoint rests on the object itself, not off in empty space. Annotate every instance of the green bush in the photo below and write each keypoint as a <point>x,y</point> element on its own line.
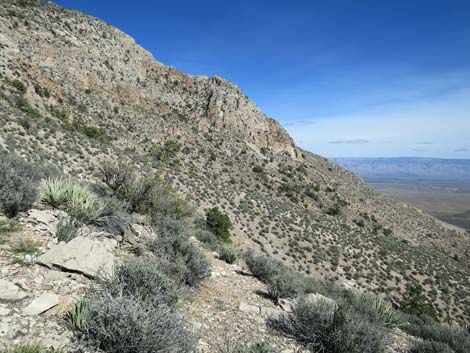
<point>142,278</point>
<point>414,302</point>
<point>430,347</point>
<point>323,327</point>
<point>124,325</point>
<point>20,86</point>
<point>219,223</point>
<point>456,338</point>
<point>116,176</point>
<point>18,184</point>
<point>228,253</point>
<point>167,152</point>
<point>150,195</point>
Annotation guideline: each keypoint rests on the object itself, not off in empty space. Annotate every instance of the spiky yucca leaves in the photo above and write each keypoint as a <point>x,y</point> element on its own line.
<point>375,308</point>
<point>54,191</point>
<point>77,315</point>
<point>81,204</point>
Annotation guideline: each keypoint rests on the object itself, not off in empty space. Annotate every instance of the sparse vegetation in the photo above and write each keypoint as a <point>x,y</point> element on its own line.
<point>9,226</point>
<point>323,327</point>
<point>18,184</point>
<point>124,325</point>
<point>228,253</point>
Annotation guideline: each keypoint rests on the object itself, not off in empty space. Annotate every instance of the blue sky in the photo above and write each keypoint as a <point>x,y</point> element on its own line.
<point>345,77</point>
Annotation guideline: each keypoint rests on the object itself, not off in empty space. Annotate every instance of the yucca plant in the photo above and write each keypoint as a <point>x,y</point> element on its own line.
<point>375,308</point>
<point>86,207</point>
<point>77,315</point>
<point>54,191</point>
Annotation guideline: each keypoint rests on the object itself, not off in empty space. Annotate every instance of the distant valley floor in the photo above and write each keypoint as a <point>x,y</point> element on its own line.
<point>448,201</point>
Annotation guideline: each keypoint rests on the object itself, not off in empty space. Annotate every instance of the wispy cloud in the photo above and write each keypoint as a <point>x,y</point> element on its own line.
<point>424,143</point>
<point>461,150</point>
<point>349,142</point>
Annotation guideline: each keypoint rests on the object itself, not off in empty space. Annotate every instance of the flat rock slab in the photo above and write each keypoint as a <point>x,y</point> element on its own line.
<point>41,304</point>
<point>91,257</point>
<point>10,291</point>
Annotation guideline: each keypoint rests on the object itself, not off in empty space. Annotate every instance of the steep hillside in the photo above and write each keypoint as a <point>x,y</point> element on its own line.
<point>76,91</point>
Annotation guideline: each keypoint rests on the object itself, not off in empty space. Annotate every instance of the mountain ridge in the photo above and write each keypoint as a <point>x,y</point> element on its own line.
<point>76,91</point>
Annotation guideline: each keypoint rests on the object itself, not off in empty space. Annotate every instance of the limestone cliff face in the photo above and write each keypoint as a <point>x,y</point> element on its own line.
<point>80,53</point>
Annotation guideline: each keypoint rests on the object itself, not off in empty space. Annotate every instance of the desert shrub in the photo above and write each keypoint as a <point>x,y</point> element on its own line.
<point>9,226</point>
<point>141,278</point>
<point>414,302</point>
<point>324,327</point>
<point>228,253</point>
<point>117,219</point>
<point>288,284</point>
<point>219,223</point>
<point>173,244</point>
<point>18,184</point>
<point>428,330</point>
<point>282,281</point>
<point>29,348</point>
<point>208,238</point>
<point>20,86</point>
<point>123,325</point>
<point>166,153</point>
<point>150,195</point>
<point>67,229</point>
<point>262,267</point>
<point>116,175</point>
<point>374,308</point>
<point>430,347</point>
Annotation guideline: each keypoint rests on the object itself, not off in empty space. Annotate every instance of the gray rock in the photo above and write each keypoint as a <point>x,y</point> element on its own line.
<point>41,304</point>
<point>91,257</point>
<point>10,291</point>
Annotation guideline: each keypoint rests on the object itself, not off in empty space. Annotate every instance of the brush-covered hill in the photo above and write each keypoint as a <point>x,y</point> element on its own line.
<point>76,91</point>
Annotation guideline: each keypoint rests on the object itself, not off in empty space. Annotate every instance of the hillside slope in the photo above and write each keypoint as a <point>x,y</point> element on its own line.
<point>76,91</point>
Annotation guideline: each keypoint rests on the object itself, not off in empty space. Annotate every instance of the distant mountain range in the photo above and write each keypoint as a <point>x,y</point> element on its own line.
<point>408,168</point>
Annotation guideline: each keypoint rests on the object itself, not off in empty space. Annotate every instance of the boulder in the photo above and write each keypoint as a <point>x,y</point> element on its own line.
<point>91,257</point>
<point>41,304</point>
<point>10,291</point>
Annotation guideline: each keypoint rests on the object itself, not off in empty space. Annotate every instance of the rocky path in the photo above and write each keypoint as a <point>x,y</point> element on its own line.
<point>231,308</point>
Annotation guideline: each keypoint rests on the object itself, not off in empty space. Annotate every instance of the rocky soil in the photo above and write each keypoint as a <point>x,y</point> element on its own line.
<point>229,308</point>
